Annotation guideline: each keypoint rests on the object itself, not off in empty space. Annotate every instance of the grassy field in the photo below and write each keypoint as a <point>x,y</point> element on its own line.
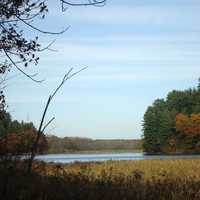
<point>180,168</point>
<point>177,179</point>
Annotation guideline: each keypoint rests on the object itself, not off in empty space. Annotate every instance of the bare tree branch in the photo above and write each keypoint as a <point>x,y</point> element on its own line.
<point>47,47</point>
<point>27,75</point>
<point>42,31</point>
<point>41,128</point>
<point>47,124</point>
<point>90,3</point>
<point>13,41</point>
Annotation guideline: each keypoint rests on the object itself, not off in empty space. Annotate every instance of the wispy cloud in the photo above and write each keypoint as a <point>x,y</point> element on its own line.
<point>135,15</point>
<point>128,39</point>
<point>146,52</point>
<point>133,76</point>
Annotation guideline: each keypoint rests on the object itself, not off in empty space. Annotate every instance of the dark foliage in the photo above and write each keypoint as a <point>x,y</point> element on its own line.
<point>16,138</point>
<point>16,49</point>
<point>60,185</point>
<point>160,128</point>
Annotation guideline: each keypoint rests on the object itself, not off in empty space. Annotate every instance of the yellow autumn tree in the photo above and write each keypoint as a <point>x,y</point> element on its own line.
<point>188,125</point>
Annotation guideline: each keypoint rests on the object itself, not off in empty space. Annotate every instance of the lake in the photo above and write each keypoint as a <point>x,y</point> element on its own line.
<point>86,157</point>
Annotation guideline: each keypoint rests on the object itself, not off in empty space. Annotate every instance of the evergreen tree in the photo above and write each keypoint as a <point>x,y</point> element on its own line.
<point>159,126</point>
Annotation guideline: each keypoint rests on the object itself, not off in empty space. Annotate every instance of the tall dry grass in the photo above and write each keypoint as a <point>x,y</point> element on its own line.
<point>112,180</point>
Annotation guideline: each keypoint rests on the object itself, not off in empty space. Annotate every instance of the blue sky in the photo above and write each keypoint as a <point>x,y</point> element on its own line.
<point>136,51</point>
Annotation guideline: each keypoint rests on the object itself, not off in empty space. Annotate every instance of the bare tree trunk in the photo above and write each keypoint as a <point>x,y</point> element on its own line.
<point>42,127</point>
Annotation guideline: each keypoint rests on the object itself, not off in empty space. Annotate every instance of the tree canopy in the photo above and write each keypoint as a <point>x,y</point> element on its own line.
<point>173,124</point>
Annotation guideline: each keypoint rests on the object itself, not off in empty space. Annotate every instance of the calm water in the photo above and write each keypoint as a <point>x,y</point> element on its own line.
<point>69,158</point>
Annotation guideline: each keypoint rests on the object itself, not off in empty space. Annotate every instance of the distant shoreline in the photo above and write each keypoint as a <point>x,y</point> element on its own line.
<point>124,151</point>
<point>98,151</point>
<point>83,145</point>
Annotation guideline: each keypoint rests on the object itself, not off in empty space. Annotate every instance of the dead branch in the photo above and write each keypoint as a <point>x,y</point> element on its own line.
<point>42,127</point>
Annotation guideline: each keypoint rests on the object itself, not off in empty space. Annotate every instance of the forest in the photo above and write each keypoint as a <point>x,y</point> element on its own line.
<point>173,124</point>
<point>77,144</point>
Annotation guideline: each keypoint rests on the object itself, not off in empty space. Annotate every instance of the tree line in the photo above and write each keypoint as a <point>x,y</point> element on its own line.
<point>173,124</point>
<point>73,144</point>
<point>16,139</point>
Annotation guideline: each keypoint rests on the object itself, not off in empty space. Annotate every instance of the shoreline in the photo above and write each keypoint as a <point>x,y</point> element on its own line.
<point>97,152</point>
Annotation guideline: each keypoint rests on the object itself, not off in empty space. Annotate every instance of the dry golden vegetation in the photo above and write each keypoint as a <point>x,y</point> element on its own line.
<point>177,179</point>
<point>180,168</point>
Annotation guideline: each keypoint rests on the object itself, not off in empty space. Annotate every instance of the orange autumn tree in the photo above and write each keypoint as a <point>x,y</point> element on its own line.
<point>188,125</point>
<point>16,138</point>
<point>9,144</point>
<point>14,144</point>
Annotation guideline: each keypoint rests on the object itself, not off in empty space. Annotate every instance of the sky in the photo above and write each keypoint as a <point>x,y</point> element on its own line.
<point>136,51</point>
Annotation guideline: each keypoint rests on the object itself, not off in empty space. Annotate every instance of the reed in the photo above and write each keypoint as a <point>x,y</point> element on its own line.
<point>112,180</point>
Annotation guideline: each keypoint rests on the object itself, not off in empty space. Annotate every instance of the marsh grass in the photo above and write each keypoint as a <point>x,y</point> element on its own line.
<point>112,180</point>
<point>180,168</point>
